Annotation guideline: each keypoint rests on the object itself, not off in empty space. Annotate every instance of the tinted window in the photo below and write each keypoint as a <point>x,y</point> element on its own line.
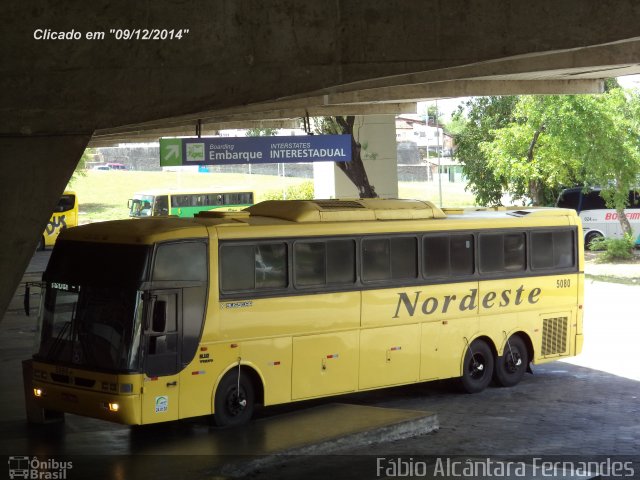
<point>376,259</point>
<point>552,250</point>
<point>324,263</point>
<point>462,262</point>
<point>237,266</point>
<point>66,203</point>
<point>502,252</point>
<point>386,259</point>
<point>310,263</point>
<point>436,256</point>
<point>161,207</point>
<point>446,255</point>
<point>592,201</point>
<point>248,267</point>
<point>185,261</point>
<point>569,199</point>
<point>341,262</point>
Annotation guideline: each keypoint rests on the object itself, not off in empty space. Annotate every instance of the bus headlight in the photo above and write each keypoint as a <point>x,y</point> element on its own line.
<point>114,407</point>
<point>38,392</point>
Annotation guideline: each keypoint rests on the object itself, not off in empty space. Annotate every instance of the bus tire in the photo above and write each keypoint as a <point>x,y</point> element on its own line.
<point>477,368</point>
<point>230,407</point>
<point>511,366</point>
<point>591,236</point>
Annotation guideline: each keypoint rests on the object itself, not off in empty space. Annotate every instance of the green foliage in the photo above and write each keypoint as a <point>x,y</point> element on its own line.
<point>304,191</point>
<point>261,132</point>
<point>532,146</point>
<point>475,122</point>
<point>80,171</point>
<point>614,249</point>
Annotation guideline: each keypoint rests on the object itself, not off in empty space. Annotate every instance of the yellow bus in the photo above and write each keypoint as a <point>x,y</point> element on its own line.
<point>145,322</point>
<point>186,203</point>
<point>65,215</point>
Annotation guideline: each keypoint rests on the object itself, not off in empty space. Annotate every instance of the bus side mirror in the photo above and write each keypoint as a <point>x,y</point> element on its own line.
<point>27,291</point>
<point>159,321</point>
<point>130,203</point>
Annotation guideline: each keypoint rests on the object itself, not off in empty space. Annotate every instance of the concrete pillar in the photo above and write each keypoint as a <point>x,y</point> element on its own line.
<point>35,171</point>
<point>377,135</point>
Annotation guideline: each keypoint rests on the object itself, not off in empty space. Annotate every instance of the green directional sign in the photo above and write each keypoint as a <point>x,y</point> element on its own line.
<point>170,152</point>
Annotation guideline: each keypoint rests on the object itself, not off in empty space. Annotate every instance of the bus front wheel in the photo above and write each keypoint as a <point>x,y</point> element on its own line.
<point>512,365</point>
<point>234,400</point>
<point>477,368</point>
<point>591,237</point>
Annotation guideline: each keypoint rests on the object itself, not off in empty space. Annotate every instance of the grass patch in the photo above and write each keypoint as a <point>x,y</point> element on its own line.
<point>103,195</point>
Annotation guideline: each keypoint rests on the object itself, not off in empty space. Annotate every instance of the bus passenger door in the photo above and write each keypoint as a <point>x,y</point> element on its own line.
<point>160,394</point>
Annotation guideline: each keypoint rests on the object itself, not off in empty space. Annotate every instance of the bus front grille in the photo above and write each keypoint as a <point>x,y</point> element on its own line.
<point>554,335</point>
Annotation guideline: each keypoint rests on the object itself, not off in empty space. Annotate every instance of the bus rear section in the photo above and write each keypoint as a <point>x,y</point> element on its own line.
<point>65,215</point>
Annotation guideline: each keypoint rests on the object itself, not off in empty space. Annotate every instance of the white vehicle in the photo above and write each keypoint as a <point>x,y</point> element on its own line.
<point>598,220</point>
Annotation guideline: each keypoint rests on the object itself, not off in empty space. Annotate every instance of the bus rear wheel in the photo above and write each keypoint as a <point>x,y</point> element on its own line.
<point>234,400</point>
<point>512,365</point>
<point>477,368</point>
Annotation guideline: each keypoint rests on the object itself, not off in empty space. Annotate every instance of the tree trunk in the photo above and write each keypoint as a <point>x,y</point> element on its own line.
<point>354,170</point>
<point>535,186</point>
<point>624,222</point>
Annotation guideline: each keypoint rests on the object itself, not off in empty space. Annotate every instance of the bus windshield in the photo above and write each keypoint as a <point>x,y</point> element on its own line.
<point>92,308</point>
<point>91,327</point>
<point>140,206</point>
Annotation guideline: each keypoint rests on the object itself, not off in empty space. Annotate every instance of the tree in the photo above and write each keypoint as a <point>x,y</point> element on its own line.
<point>80,171</point>
<point>261,132</point>
<point>474,123</point>
<point>354,170</point>
<point>561,140</point>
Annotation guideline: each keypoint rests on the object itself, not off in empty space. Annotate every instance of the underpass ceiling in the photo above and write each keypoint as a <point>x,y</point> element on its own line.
<point>571,71</point>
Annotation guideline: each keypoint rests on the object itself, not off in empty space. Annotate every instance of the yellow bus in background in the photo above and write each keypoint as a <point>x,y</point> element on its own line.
<point>146,322</point>
<point>65,215</point>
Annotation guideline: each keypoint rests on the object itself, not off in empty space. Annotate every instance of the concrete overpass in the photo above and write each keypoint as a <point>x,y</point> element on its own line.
<point>247,60</point>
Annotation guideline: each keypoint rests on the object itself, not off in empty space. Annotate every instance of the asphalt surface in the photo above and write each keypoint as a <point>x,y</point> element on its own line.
<point>584,409</point>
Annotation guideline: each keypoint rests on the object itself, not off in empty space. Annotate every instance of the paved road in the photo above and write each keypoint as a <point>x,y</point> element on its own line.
<point>586,406</point>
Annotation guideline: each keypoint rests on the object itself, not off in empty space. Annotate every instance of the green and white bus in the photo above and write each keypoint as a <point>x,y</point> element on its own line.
<point>186,203</point>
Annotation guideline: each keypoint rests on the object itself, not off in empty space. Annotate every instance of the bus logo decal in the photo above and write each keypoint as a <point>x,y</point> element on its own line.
<point>162,404</point>
<point>489,301</point>
<point>246,304</point>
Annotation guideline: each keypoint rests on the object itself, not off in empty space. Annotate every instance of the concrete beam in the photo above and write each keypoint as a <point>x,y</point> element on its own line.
<point>261,116</point>
<point>36,168</point>
<point>238,52</point>
<point>466,88</point>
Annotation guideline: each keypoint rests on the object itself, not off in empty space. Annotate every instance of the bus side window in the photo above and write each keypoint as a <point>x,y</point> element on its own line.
<point>502,252</point>
<point>389,258</point>
<point>552,250</point>
<point>161,205</point>
<point>446,255</point>
<point>253,267</point>
<point>324,263</point>
<point>162,350</point>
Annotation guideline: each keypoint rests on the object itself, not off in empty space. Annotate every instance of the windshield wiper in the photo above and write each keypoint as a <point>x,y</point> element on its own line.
<point>57,343</point>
